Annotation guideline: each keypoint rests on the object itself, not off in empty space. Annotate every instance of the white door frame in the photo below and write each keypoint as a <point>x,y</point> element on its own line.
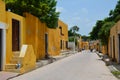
<point>3,26</point>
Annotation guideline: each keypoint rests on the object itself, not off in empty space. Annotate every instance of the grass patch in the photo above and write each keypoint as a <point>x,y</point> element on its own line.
<point>116,73</point>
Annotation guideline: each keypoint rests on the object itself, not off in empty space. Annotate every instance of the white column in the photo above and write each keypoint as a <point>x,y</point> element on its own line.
<point>3,26</point>
<point>3,48</point>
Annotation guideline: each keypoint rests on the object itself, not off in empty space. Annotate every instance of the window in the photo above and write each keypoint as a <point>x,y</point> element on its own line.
<point>60,30</point>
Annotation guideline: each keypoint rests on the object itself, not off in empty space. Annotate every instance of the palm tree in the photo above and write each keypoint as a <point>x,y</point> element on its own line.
<point>75,29</point>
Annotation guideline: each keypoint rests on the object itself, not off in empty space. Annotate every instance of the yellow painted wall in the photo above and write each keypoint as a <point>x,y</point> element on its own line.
<point>2,12</point>
<point>63,37</point>
<point>55,36</point>
<point>97,45</point>
<point>104,50</point>
<point>9,18</point>
<point>35,32</point>
<point>53,42</point>
<point>85,45</point>
<point>80,43</point>
<point>41,40</point>
<point>27,58</point>
<point>114,50</point>
<point>32,32</point>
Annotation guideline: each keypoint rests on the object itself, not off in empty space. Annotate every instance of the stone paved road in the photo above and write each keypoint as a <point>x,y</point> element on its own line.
<point>81,66</point>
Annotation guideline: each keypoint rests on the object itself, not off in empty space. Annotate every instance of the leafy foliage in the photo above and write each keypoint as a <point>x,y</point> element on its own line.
<point>116,73</point>
<point>105,32</point>
<point>102,31</point>
<point>96,29</point>
<point>73,31</point>
<point>85,38</point>
<point>70,33</point>
<point>45,10</point>
<point>115,14</point>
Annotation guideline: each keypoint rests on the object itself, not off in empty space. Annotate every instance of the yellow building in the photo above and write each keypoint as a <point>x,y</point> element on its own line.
<point>79,44</point>
<point>27,35</point>
<point>85,45</point>
<point>114,42</point>
<point>96,45</point>
<point>57,39</point>
<point>82,44</point>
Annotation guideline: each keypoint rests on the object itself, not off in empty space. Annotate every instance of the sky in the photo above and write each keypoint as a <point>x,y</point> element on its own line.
<point>84,13</point>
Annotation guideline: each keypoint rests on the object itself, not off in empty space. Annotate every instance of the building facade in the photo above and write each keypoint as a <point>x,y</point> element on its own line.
<point>114,42</point>
<point>16,31</point>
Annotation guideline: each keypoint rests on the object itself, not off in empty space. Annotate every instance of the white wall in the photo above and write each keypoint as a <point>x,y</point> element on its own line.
<point>71,45</point>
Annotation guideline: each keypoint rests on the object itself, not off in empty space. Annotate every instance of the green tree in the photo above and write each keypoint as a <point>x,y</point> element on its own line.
<point>70,33</point>
<point>105,32</point>
<point>96,29</point>
<point>85,38</point>
<point>73,35</point>
<point>115,14</point>
<point>75,29</point>
<point>45,10</point>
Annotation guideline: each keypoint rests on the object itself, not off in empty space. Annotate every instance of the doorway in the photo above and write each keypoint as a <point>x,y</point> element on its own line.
<point>15,35</point>
<point>111,47</point>
<point>46,46</point>
<point>1,48</point>
<point>114,49</point>
<point>61,44</point>
<point>119,46</point>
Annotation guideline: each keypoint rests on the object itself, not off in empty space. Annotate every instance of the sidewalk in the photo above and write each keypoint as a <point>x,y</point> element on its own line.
<point>114,67</point>
<point>7,75</point>
<point>81,66</point>
<point>45,62</point>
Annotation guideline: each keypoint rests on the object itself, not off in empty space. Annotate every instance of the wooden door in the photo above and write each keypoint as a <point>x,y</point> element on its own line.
<point>15,35</point>
<point>46,43</point>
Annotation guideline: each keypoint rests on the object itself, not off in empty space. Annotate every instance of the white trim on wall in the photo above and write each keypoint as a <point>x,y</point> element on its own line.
<point>3,25</point>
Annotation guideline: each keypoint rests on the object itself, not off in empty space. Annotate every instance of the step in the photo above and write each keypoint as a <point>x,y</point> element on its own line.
<point>14,60</point>
<point>16,53</point>
<point>10,66</point>
<point>13,70</point>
